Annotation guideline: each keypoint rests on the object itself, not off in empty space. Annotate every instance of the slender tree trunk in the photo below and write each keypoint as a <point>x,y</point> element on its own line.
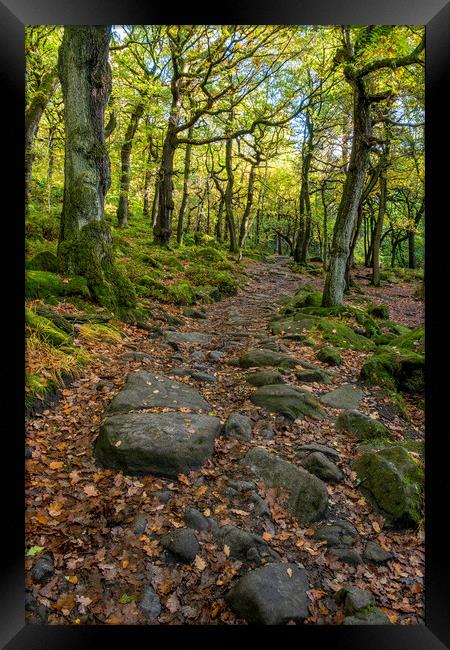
<point>125,157</point>
<point>33,116</point>
<point>51,164</point>
<point>184,200</point>
<point>325,228</point>
<point>147,180</point>
<point>412,261</point>
<point>248,207</point>
<point>234,248</point>
<point>348,209</point>
<point>220,219</point>
<point>155,203</point>
<point>378,232</point>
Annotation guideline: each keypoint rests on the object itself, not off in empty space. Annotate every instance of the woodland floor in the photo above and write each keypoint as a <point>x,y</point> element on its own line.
<point>83,515</point>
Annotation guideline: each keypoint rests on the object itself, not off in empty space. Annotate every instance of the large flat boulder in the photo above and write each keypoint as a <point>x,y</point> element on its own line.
<point>164,444</point>
<point>362,426</point>
<point>271,595</point>
<point>145,390</point>
<point>290,401</point>
<point>307,497</point>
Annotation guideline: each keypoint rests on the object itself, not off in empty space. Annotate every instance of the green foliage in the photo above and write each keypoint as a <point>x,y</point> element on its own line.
<point>44,261</point>
<point>207,275</point>
<point>330,356</point>
<point>41,284</point>
<point>45,329</point>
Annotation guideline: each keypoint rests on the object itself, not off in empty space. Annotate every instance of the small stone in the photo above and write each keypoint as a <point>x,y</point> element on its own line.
<point>252,555</point>
<point>28,452</point>
<point>347,555</point>
<point>265,378</point>
<point>203,376</point>
<point>315,446</point>
<point>238,426</point>
<point>230,493</point>
<point>242,486</point>
<point>183,543</point>
<point>149,603</point>
<point>260,507</point>
<point>104,384</point>
<point>340,533</point>
<point>318,464</point>
<point>181,372</point>
<point>319,376</point>
<point>163,495</point>
<point>354,599</point>
<point>374,616</point>
<point>196,355</point>
<point>36,613</point>
<point>329,356</point>
<point>135,356</point>
<point>43,569</point>
<point>194,519</point>
<point>216,355</point>
<point>374,553</point>
<point>139,524</point>
<point>267,433</point>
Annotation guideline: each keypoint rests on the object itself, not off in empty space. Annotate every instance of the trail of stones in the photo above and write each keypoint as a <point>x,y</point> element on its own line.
<point>261,479</point>
<point>170,444</point>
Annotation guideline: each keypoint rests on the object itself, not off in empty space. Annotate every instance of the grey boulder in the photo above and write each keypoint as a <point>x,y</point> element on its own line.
<point>290,401</point>
<point>238,426</point>
<point>182,543</point>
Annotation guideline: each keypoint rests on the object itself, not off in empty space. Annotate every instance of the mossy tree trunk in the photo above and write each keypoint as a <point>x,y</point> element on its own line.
<point>125,158</point>
<point>85,242</point>
<point>378,232</point>
<point>348,209</point>
<point>184,200</point>
<point>33,115</point>
<point>234,248</point>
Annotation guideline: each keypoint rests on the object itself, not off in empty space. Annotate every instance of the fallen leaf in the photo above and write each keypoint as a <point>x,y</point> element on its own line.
<point>200,564</point>
<point>172,603</point>
<point>226,550</point>
<point>56,465</point>
<point>90,490</point>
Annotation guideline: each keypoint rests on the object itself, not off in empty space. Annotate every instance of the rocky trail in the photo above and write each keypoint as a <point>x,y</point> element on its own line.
<point>197,472</point>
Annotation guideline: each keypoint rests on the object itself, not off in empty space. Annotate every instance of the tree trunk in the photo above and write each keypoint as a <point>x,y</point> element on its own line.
<point>219,219</point>
<point>325,229</point>
<point>147,180</point>
<point>378,232</point>
<point>234,248</point>
<point>33,116</point>
<point>184,200</point>
<point>125,157</point>
<point>51,164</point>
<point>412,261</point>
<point>248,207</point>
<point>85,243</point>
<point>348,209</point>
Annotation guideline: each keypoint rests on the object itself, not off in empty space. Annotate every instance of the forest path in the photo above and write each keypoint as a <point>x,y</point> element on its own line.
<point>102,528</point>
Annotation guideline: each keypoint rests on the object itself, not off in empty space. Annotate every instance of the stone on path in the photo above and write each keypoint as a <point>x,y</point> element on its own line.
<point>164,444</point>
<point>354,599</point>
<point>43,569</point>
<point>195,338</point>
<point>271,595</point>
<point>244,545</point>
<point>321,466</point>
<point>147,390</point>
<point>374,553</point>
<point>149,603</point>
<point>182,543</point>
<point>303,450</point>
<point>330,356</point>
<point>347,555</point>
<point>265,377</point>
<point>374,616</point>
<point>319,376</point>
<point>339,533</point>
<point>238,426</point>
<point>362,426</point>
<point>290,401</point>
<point>307,495</point>
<point>195,519</point>
<point>344,397</point>
<point>257,358</point>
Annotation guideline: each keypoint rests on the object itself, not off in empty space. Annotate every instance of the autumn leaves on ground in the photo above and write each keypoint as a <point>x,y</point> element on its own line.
<point>107,547</point>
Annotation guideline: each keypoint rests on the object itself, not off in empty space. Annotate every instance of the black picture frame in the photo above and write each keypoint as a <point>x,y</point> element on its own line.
<point>14,15</point>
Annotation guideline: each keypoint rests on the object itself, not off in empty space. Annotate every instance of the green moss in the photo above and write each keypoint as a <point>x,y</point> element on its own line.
<point>330,356</point>
<point>181,293</point>
<point>394,480</point>
<point>45,329</point>
<point>396,370</point>
<point>379,311</point>
<point>414,340</point>
<point>207,294</point>
<point>37,388</point>
<point>41,284</point>
<point>77,286</point>
<point>342,336</point>
<point>44,261</point>
<point>206,275</point>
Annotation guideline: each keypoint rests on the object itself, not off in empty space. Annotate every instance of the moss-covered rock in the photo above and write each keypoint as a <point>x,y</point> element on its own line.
<point>290,401</point>
<point>260,357</point>
<point>207,294</point>
<point>207,275</point>
<point>44,261</point>
<point>42,284</point>
<point>379,311</point>
<point>265,378</point>
<point>414,340</point>
<point>362,426</point>
<point>394,482</point>
<point>306,296</point>
<point>330,356</point>
<point>395,370</point>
